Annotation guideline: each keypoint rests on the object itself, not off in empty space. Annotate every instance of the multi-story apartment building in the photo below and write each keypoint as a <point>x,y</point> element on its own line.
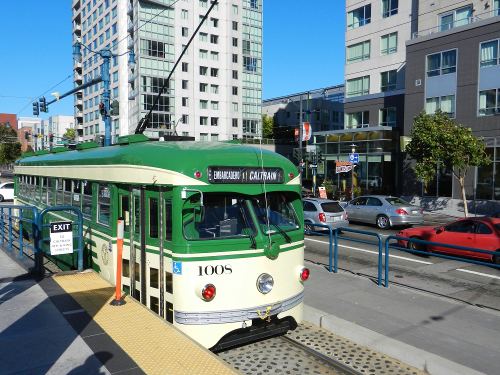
<point>215,92</point>
<point>453,64</point>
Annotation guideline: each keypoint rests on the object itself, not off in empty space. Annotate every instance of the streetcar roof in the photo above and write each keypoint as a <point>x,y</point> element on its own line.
<point>184,157</point>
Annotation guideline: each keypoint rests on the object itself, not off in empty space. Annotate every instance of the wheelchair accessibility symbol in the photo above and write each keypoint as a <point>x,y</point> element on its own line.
<point>177,268</point>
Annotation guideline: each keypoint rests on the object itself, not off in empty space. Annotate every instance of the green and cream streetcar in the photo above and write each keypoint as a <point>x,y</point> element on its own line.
<point>214,238</point>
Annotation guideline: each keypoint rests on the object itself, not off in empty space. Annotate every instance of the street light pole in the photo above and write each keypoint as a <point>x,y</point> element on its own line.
<point>353,150</point>
<point>106,94</point>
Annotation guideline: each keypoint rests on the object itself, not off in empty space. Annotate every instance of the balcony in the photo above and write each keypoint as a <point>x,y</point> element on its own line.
<point>130,27</point>
<point>130,9</point>
<point>78,102</point>
<point>78,114</point>
<point>456,24</point>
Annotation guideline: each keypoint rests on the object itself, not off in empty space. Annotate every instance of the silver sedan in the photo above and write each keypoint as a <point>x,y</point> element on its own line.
<point>384,211</point>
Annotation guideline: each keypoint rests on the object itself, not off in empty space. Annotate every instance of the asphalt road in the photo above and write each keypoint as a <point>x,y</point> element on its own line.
<point>457,279</point>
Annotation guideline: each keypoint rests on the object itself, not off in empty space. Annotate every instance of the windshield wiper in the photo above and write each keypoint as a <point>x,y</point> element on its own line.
<point>282,232</point>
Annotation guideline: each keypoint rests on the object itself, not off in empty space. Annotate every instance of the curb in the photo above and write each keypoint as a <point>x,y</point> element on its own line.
<point>418,358</point>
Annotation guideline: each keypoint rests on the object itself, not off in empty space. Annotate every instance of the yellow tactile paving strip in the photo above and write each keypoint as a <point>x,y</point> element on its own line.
<point>156,347</point>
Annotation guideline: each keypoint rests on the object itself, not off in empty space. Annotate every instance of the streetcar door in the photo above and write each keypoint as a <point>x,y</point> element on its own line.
<point>166,281</point>
<point>124,213</point>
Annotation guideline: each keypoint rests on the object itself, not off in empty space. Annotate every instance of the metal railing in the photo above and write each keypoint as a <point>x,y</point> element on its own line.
<point>11,217</point>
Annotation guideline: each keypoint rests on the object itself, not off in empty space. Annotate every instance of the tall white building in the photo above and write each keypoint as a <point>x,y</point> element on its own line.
<point>215,92</point>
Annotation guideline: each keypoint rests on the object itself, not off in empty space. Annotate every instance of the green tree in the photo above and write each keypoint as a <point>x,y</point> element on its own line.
<point>438,140</point>
<point>267,126</point>
<point>10,148</point>
<point>70,134</point>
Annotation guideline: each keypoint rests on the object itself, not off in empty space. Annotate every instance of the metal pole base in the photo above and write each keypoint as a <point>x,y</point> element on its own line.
<point>118,302</point>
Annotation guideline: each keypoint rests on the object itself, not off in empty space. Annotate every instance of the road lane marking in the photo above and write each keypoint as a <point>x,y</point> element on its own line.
<point>373,252</point>
<point>479,273</point>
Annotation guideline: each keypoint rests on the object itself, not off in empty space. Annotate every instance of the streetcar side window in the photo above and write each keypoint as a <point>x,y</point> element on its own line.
<point>168,221</point>
<point>59,193</point>
<point>67,192</point>
<point>51,197</point>
<point>153,217</point>
<point>125,212</point>
<point>103,205</point>
<point>87,199</point>
<point>75,197</point>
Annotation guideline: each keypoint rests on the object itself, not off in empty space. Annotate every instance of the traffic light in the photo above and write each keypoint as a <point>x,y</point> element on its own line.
<point>115,108</point>
<point>36,109</point>
<point>102,109</point>
<point>320,157</point>
<point>43,105</point>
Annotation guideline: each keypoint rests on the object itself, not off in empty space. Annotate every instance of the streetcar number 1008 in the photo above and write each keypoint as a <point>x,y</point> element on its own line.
<point>215,270</point>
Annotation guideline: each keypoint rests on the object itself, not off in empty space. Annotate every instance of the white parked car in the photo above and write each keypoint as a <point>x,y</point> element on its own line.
<point>6,191</point>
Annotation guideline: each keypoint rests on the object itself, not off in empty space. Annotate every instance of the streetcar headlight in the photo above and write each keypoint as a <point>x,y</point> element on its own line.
<point>265,283</point>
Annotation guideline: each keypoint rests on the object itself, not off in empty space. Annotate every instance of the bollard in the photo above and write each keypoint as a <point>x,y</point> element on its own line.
<point>118,301</point>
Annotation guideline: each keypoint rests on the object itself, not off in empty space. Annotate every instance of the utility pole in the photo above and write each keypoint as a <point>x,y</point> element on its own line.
<point>106,95</point>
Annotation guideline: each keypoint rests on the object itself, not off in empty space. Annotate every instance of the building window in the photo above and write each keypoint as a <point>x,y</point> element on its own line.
<point>203,120</point>
<point>250,64</point>
<point>215,105</point>
<point>235,58</point>
<point>489,102</point>
<point>235,74</point>
<point>203,37</point>
<point>185,119</point>
<point>214,89</point>
<point>235,122</point>
<point>235,42</point>
<point>153,48</point>
<point>204,137</point>
<point>358,52</point>
<point>389,43</point>
<point>254,4</point>
<point>185,66</point>
<point>203,104</point>
<point>358,86</point>
<point>455,18</point>
<point>214,137</point>
<point>214,72</point>
<point>387,117</point>
<point>203,54</point>
<point>235,107</point>
<point>235,90</point>
<point>214,121</point>
<point>389,8</point>
<point>185,84</point>
<point>214,55</point>
<point>235,9</point>
<point>235,26</point>
<point>442,63</point>
<point>235,137</point>
<point>388,80</point>
<point>489,53</point>
<point>445,104</point>
<point>358,119</point>
<point>185,102</point>
<point>184,14</point>
<point>203,3</point>
<point>203,87</point>
<point>359,17</point>
<point>496,8</point>
<point>214,22</point>
<point>203,70</point>
<point>185,31</point>
<point>214,39</point>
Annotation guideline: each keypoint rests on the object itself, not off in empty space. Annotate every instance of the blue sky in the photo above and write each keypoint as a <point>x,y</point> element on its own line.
<point>303,49</point>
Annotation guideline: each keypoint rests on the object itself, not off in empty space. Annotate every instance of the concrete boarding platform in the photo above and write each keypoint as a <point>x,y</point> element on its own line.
<point>64,324</point>
<point>435,334</point>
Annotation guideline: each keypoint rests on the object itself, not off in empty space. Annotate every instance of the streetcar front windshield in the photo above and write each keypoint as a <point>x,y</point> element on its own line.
<point>275,212</point>
<point>223,215</point>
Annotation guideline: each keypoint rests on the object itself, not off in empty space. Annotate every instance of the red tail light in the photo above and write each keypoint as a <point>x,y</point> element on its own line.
<point>322,217</point>
<point>400,211</point>
<point>304,274</point>
<point>208,292</point>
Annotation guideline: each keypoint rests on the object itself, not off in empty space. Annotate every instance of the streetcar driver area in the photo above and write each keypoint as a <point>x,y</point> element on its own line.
<point>228,215</point>
<point>222,215</point>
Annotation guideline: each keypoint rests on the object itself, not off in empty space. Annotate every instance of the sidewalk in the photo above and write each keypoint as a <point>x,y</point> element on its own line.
<point>431,333</point>
<point>34,336</point>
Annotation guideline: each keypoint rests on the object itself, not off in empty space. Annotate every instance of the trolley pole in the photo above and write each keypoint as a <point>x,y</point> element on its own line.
<point>118,301</point>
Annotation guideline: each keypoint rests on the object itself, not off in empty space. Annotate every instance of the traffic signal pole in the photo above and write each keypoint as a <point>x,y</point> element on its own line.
<point>106,95</point>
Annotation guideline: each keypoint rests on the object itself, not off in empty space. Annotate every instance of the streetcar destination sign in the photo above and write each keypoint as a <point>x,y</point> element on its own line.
<point>61,238</point>
<point>245,175</point>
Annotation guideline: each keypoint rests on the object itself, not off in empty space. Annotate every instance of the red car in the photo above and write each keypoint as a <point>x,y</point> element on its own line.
<point>480,233</point>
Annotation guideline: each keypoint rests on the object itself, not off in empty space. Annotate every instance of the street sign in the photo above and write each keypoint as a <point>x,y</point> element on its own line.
<point>354,158</point>
<point>313,166</point>
<point>61,238</point>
